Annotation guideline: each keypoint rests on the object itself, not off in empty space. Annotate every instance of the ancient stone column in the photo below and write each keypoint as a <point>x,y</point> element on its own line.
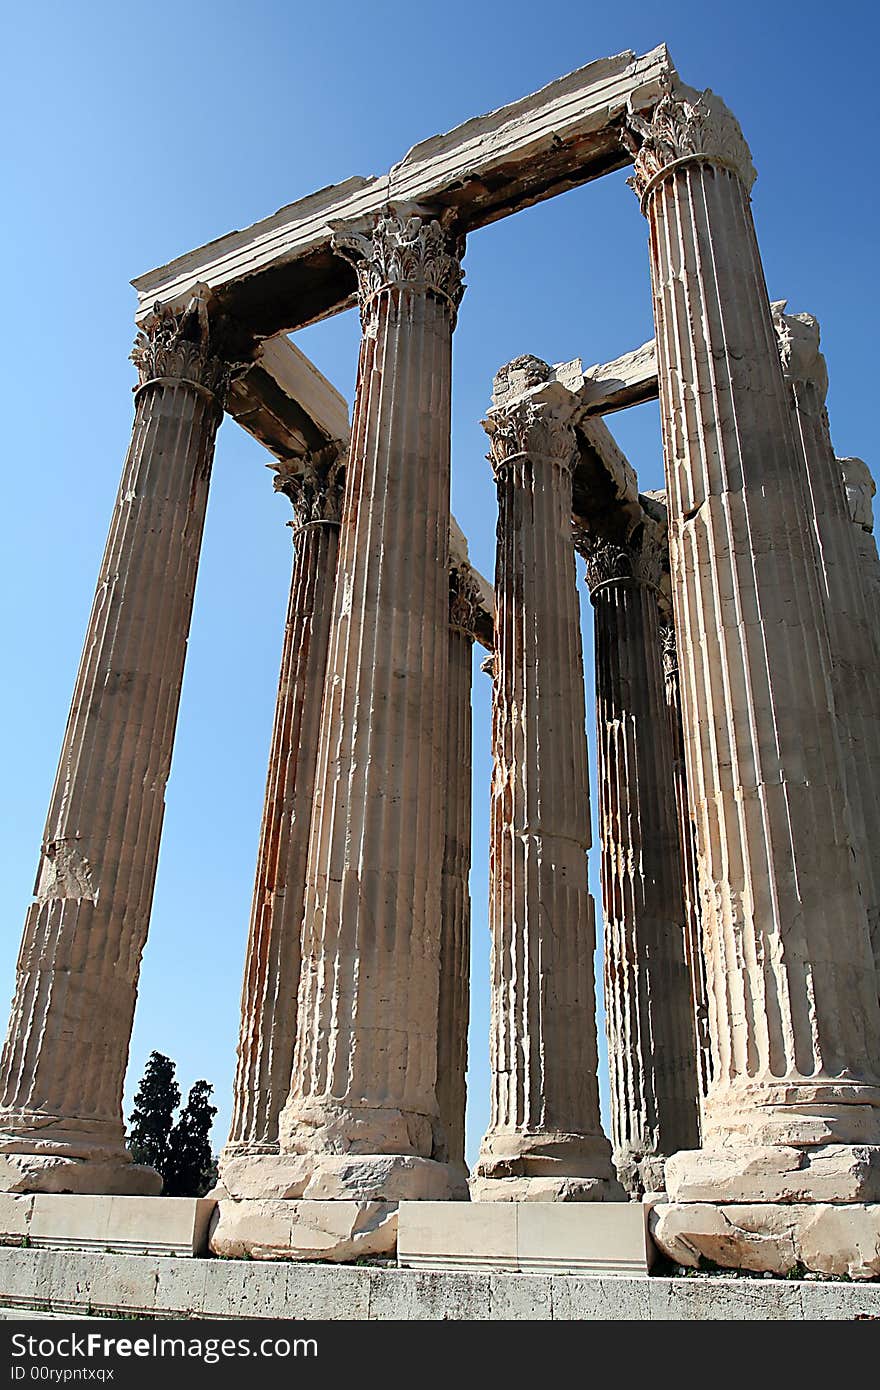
<point>544,1138</point>
<point>690,880</point>
<point>249,1166</point>
<point>64,1061</point>
<point>649,1018</point>
<point>455,901</point>
<point>855,655</point>
<point>860,488</point>
<point>363,1108</point>
<point>794,1012</point>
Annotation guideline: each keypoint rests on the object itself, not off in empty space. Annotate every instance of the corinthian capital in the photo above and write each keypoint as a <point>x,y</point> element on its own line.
<point>639,558</point>
<point>314,484</point>
<point>685,125</point>
<point>538,430</point>
<point>464,600</point>
<point>185,345</point>
<point>410,253</point>
<point>798,338</point>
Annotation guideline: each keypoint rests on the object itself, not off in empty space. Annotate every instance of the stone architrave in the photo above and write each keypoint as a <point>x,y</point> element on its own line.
<point>249,1165</point>
<point>362,1111</point>
<point>545,1138</point>
<point>64,1061</point>
<point>690,879</point>
<point>860,489</point>
<point>455,902</point>
<point>794,1014</point>
<point>648,1008</point>
<point>855,655</point>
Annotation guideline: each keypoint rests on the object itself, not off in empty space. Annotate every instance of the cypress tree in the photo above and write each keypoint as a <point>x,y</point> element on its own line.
<point>191,1169</point>
<point>150,1122</point>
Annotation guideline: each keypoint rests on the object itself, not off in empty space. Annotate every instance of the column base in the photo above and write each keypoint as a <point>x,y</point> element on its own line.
<point>262,1174</point>
<point>320,1127</point>
<point>546,1190</point>
<point>545,1167</point>
<point>841,1239</point>
<point>639,1172</point>
<point>378,1178</point>
<point>304,1230</point>
<point>542,1154</point>
<point>459,1181</point>
<point>800,1113</point>
<point>347,1177</point>
<point>40,1153</point>
<point>775,1174</point>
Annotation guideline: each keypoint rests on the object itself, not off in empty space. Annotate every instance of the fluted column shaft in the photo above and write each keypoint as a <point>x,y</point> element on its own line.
<point>690,880</point>
<point>455,901</point>
<point>544,1106</point>
<point>364,1073</point>
<point>651,1039</point>
<point>855,654</point>
<point>66,1052</point>
<point>272,963</point>
<point>794,1013</point>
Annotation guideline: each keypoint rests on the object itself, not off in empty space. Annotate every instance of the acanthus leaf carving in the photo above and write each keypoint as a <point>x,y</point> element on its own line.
<point>413,253</point>
<point>535,429</point>
<point>314,483</point>
<point>685,125</point>
<point>184,344</point>
<point>464,600</point>
<point>605,559</point>
<point>638,558</point>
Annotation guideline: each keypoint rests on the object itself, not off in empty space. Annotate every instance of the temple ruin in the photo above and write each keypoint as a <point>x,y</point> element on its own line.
<point>737,707</point>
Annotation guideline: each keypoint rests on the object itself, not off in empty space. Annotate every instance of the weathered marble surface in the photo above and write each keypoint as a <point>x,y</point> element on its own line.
<point>364,1074</point>
<point>53,1283</point>
<point>648,1006</point>
<point>839,1239</point>
<point>279,274</point>
<point>793,1005</point>
<point>315,485</point>
<point>544,1124</point>
<point>453,1006</point>
<point>63,1064</point>
<point>853,637</point>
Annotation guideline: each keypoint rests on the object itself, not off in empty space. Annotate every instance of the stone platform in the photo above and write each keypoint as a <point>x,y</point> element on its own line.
<point>571,1237</point>
<point>80,1283</point>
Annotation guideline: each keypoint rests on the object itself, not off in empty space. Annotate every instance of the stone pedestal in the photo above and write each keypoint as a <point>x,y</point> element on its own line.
<point>64,1061</point>
<point>649,1013</point>
<point>526,1237</point>
<point>455,903</point>
<point>365,1063</point>
<point>250,1165</point>
<point>793,1002</point>
<point>544,1134</point>
<point>167,1226</point>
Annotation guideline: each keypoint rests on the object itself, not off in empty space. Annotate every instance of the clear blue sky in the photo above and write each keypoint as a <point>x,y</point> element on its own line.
<point>134,133</point>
